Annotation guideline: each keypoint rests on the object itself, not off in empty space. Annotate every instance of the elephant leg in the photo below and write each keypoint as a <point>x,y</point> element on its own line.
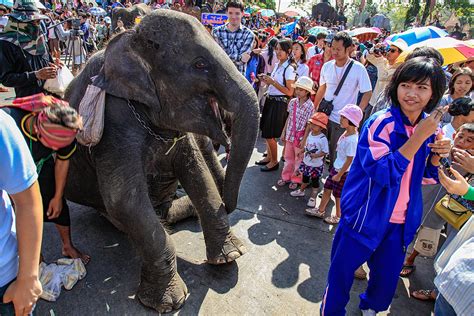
<point>195,177</point>
<point>210,156</point>
<point>125,196</point>
<point>177,210</point>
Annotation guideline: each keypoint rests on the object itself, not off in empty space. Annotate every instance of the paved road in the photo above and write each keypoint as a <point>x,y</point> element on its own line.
<point>284,271</point>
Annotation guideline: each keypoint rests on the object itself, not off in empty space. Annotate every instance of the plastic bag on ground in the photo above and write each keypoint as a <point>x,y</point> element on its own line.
<point>59,84</point>
<point>65,272</point>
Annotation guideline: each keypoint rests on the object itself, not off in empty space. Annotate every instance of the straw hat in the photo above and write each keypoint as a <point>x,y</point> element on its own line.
<point>305,83</point>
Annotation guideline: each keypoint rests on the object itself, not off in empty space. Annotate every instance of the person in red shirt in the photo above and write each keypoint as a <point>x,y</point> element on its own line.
<point>316,62</point>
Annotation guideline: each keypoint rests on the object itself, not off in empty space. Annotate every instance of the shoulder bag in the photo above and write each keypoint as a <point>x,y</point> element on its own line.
<point>326,106</point>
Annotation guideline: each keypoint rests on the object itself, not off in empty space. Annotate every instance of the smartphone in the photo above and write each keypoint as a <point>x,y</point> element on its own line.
<point>445,163</point>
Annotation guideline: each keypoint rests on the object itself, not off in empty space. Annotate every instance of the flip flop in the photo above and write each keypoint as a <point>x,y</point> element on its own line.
<point>423,295</point>
<point>281,182</point>
<point>409,268</point>
<point>332,220</point>
<point>293,186</point>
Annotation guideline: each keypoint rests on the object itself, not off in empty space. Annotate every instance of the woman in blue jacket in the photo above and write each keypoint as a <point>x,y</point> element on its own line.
<point>381,203</point>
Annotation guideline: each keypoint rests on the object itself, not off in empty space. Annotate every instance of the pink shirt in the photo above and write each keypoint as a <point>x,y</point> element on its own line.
<point>400,209</point>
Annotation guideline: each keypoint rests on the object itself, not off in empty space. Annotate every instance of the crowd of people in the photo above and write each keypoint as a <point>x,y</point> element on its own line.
<point>390,140</point>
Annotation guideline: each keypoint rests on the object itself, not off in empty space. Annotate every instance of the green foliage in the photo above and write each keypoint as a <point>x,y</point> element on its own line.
<point>396,12</point>
<point>264,4</point>
<point>463,9</point>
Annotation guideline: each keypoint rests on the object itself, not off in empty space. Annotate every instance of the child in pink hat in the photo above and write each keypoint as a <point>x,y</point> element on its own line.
<point>351,115</point>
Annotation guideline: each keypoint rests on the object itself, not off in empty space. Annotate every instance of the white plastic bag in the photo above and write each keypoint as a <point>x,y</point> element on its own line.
<point>59,84</point>
<point>92,109</point>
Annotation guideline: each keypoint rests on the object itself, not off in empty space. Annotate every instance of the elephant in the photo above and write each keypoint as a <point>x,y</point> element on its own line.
<point>164,80</point>
<point>128,15</point>
<point>324,11</point>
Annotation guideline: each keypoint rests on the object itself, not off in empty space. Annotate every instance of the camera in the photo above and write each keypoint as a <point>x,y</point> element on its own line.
<point>461,106</point>
<point>76,24</point>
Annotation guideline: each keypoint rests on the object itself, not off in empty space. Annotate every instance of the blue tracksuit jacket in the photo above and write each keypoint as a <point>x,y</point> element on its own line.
<point>373,184</point>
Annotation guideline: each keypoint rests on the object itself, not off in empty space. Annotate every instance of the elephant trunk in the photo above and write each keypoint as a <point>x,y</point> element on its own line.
<point>243,106</point>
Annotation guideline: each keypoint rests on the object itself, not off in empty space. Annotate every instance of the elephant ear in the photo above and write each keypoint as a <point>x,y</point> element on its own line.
<point>126,74</point>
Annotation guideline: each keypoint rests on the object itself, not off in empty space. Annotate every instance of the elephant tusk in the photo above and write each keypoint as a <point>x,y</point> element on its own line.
<point>175,141</point>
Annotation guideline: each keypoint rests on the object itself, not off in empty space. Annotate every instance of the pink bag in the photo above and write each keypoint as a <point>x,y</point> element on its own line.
<point>298,134</point>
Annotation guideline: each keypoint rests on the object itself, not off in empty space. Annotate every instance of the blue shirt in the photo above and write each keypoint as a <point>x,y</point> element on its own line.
<point>17,173</point>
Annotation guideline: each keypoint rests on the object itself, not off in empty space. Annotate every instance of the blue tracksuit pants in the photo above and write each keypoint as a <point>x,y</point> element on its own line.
<point>385,263</point>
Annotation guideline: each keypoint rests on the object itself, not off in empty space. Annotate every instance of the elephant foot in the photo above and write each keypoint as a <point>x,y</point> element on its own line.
<point>172,299</point>
<point>232,249</point>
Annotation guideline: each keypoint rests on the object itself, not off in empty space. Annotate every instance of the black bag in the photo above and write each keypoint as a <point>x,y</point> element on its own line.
<point>326,106</point>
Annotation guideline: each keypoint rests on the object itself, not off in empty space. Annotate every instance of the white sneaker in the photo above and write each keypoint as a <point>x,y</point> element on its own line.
<point>311,202</point>
<point>368,312</point>
<point>297,193</point>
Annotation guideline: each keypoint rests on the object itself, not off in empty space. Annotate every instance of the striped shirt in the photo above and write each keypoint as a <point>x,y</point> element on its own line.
<point>234,43</point>
<point>455,270</point>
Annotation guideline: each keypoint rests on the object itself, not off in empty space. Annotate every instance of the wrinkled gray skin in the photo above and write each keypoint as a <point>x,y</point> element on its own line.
<point>128,15</point>
<point>170,67</point>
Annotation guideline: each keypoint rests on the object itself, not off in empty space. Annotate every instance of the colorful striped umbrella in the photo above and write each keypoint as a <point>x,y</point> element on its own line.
<point>419,34</point>
<point>452,50</point>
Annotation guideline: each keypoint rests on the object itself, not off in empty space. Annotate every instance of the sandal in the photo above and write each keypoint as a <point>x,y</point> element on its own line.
<point>293,186</point>
<point>316,212</point>
<point>333,220</point>
<point>407,270</point>
<point>424,295</point>
<point>281,182</point>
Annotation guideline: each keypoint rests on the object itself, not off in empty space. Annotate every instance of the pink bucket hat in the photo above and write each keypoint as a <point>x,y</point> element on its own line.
<point>353,113</point>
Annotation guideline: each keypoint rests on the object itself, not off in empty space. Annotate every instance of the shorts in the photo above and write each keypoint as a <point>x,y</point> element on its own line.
<point>47,185</point>
<point>310,172</point>
<point>336,187</point>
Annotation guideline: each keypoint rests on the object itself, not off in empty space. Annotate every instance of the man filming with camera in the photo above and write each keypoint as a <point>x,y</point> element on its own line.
<point>384,59</point>
<point>25,63</point>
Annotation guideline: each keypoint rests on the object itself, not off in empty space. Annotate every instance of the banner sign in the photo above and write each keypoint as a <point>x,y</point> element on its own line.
<point>213,19</point>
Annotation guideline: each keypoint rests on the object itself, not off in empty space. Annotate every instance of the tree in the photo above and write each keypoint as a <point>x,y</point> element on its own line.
<point>412,12</point>
<point>426,12</point>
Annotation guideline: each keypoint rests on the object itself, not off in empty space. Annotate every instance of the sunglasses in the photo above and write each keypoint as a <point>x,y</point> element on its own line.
<point>392,50</point>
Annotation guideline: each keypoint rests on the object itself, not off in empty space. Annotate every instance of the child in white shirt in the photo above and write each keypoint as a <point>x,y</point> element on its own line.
<point>315,148</point>
<point>351,115</point>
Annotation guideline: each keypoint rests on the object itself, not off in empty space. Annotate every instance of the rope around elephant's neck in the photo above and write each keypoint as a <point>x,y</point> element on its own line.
<point>151,132</point>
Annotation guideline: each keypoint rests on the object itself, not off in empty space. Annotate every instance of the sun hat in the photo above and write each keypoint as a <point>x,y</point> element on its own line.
<point>305,83</point>
<point>399,43</point>
<point>26,11</point>
<point>353,113</point>
<point>320,119</point>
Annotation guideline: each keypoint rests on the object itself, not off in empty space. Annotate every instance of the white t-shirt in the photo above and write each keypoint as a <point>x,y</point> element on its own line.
<point>312,51</point>
<point>277,75</point>
<point>449,131</point>
<point>3,22</point>
<point>315,144</point>
<point>356,81</point>
<point>346,147</point>
<point>302,70</point>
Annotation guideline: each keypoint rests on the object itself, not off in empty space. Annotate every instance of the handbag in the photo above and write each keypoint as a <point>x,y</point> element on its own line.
<point>427,241</point>
<point>453,212</point>
<point>92,108</point>
<point>298,134</point>
<point>326,106</point>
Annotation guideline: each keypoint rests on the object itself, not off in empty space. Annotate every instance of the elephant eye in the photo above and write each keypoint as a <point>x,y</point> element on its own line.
<point>200,64</point>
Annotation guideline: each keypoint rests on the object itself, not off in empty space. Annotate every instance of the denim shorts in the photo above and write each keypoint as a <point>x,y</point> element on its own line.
<point>8,309</point>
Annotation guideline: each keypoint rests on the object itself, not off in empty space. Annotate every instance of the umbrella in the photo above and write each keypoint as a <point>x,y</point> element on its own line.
<point>97,11</point>
<point>452,50</point>
<point>419,34</point>
<point>267,12</point>
<point>317,29</point>
<point>295,12</point>
<point>365,34</point>
<point>8,3</point>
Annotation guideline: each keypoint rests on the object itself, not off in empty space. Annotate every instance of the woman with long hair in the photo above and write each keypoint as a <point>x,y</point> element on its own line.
<point>299,56</point>
<point>274,112</point>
